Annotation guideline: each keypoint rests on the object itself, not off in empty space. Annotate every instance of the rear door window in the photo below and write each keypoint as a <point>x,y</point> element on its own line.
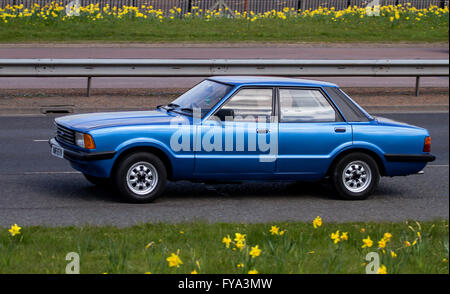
<point>305,105</point>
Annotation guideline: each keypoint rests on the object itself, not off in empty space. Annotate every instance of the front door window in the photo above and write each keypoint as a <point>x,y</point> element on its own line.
<point>240,137</point>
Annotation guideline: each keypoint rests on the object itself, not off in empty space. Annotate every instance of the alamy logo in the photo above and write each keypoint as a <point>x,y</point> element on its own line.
<point>373,8</point>
<point>73,267</point>
<point>233,134</point>
<point>373,265</point>
<point>73,8</point>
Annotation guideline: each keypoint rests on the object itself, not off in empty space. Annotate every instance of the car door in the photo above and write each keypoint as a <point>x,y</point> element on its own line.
<point>236,139</point>
<point>311,130</point>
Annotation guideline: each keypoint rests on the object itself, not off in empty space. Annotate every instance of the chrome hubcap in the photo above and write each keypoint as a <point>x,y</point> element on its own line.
<point>357,176</point>
<point>142,178</point>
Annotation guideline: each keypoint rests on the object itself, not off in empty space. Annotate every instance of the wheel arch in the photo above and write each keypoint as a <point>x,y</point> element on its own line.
<point>374,155</point>
<point>149,149</point>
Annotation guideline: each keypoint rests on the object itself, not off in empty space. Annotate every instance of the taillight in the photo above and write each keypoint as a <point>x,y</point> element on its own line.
<point>427,144</point>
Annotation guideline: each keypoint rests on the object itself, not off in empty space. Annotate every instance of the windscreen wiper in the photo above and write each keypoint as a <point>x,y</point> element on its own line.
<point>168,107</point>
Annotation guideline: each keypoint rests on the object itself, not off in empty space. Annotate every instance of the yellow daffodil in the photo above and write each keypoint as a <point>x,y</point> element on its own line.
<point>382,270</point>
<point>335,237</point>
<point>393,254</point>
<point>344,236</point>
<point>15,230</point>
<point>387,236</point>
<point>317,222</point>
<point>239,237</point>
<point>255,251</point>
<point>363,230</point>
<point>174,260</point>
<point>367,242</point>
<point>382,243</point>
<point>240,245</point>
<point>227,241</point>
<point>274,230</point>
<point>240,265</point>
<point>407,244</point>
<point>194,272</point>
<point>148,273</point>
<point>253,272</point>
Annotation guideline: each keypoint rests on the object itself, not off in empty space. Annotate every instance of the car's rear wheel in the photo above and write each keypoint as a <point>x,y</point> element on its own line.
<point>140,177</point>
<point>97,180</point>
<point>355,176</point>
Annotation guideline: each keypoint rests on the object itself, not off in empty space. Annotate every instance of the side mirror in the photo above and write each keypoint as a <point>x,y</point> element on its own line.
<point>223,113</point>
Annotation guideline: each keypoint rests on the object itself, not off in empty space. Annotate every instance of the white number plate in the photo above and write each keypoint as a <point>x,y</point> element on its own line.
<point>57,151</point>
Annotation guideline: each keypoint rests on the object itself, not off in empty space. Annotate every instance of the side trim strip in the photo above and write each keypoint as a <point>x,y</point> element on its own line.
<point>410,157</point>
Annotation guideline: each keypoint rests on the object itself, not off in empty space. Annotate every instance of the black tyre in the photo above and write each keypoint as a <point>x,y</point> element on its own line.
<point>140,177</point>
<point>355,176</point>
<point>97,181</point>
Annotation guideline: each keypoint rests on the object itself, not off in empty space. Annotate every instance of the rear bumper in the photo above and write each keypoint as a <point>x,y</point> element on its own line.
<point>82,156</point>
<point>410,157</point>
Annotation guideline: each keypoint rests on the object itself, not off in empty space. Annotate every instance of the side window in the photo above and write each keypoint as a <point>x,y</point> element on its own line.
<point>249,105</point>
<point>305,105</point>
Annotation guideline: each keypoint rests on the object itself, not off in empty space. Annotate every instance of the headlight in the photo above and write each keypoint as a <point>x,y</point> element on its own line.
<point>84,140</point>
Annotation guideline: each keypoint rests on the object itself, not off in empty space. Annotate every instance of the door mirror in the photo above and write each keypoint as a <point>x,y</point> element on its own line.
<point>224,112</point>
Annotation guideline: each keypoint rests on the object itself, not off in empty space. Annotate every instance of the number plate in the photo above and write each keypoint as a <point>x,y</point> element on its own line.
<point>57,151</point>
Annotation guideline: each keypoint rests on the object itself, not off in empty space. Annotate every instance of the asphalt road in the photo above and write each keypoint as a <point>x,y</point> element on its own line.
<point>38,189</point>
<point>272,52</point>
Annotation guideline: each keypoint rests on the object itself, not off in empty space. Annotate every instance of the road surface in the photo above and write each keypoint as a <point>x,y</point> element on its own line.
<point>38,189</point>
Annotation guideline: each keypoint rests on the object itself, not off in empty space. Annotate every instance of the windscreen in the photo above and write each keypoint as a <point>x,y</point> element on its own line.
<point>203,96</point>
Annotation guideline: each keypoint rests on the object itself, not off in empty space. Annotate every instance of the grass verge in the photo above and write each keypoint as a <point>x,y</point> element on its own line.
<point>418,248</point>
<point>223,30</point>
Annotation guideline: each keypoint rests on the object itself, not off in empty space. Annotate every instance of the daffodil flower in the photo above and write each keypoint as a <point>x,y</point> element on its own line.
<point>255,251</point>
<point>174,260</point>
<point>317,222</point>
<point>15,230</point>
<point>367,242</point>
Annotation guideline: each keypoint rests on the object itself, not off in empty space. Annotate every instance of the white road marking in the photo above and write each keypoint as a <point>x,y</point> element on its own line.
<point>40,140</point>
<point>51,172</point>
<point>437,165</point>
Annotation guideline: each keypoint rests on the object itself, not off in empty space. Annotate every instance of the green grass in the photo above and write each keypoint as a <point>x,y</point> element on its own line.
<point>225,30</point>
<point>302,249</point>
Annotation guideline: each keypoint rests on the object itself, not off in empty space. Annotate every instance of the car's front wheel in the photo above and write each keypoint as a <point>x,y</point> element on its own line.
<point>355,176</point>
<point>140,177</point>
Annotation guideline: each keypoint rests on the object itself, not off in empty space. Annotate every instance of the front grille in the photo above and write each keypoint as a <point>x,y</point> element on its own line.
<point>65,135</point>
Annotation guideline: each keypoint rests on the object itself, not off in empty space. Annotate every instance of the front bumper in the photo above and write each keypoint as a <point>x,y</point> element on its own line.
<point>73,155</point>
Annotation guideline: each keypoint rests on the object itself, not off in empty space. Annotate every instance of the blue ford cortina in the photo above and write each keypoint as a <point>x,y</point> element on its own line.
<point>232,129</point>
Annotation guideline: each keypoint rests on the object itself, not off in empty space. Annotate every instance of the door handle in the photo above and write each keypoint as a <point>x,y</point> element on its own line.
<point>262,131</point>
<point>340,130</point>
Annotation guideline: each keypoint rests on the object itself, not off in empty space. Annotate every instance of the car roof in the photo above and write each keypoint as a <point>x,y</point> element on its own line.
<point>267,80</point>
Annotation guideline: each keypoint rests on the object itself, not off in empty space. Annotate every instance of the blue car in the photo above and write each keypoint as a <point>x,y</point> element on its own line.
<point>234,129</point>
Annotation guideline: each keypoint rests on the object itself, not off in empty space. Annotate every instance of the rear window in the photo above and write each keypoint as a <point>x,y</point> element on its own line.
<point>351,112</point>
